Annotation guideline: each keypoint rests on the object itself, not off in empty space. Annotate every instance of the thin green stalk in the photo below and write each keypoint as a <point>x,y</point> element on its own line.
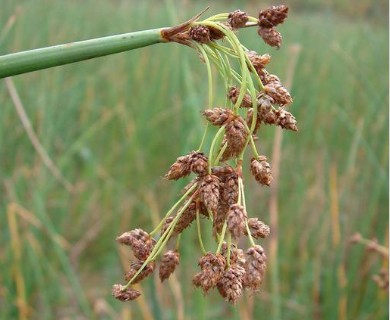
<point>243,203</point>
<point>222,237</point>
<point>199,232</point>
<point>160,243</point>
<point>37,59</point>
<point>173,208</point>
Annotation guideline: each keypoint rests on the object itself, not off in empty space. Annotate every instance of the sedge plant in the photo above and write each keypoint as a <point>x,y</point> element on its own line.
<point>254,97</point>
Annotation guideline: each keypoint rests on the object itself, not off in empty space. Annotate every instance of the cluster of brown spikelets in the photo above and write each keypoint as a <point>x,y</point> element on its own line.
<point>217,189</point>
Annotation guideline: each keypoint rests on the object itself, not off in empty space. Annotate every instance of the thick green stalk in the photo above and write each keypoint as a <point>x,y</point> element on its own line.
<point>32,60</point>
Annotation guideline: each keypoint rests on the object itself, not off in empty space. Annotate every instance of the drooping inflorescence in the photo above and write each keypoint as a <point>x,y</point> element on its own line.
<point>216,192</point>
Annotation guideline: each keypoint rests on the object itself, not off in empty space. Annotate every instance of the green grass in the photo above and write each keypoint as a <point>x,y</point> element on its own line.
<point>114,125</point>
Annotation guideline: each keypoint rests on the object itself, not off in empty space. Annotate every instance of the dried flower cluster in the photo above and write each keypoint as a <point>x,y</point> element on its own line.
<point>382,277</point>
<point>216,190</point>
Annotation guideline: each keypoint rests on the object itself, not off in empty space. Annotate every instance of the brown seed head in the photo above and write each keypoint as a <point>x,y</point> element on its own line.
<point>265,110</point>
<point>216,34</point>
<point>237,255</point>
<point>185,220</point>
<point>258,61</point>
<point>218,116</point>
<point>272,16</point>
<point>135,266</point>
<point>168,264</point>
<point>270,36</point>
<point>200,34</point>
<point>212,267</point>
<point>236,220</point>
<point>277,91</point>
<point>199,163</point>
<point>139,241</point>
<point>258,228</point>
<point>230,189</point>
<point>180,168</point>
<point>233,94</point>
<point>286,120</point>
<point>237,19</point>
<point>255,267</point>
<point>261,170</point>
<point>122,294</point>
<point>236,136</point>
<point>209,192</point>
<point>230,284</point>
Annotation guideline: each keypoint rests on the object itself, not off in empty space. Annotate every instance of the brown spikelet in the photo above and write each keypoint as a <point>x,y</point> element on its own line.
<point>261,170</point>
<point>255,267</point>
<point>119,292</point>
<point>185,220</point>
<point>277,91</point>
<point>200,34</point>
<point>236,136</point>
<point>257,228</point>
<point>270,36</point>
<point>216,34</point>
<point>237,19</point>
<point>272,16</point>
<point>258,61</point>
<point>218,116</point>
<point>139,241</point>
<point>230,188</point>
<point>265,111</point>
<point>209,192</point>
<point>230,285</point>
<point>212,267</point>
<point>180,168</point>
<point>285,120</point>
<point>237,255</point>
<point>233,94</point>
<point>168,264</point>
<point>199,163</point>
<point>222,171</point>
<point>236,220</point>
<point>135,266</point>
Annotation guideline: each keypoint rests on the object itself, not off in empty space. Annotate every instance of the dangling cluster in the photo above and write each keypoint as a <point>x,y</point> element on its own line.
<point>216,190</point>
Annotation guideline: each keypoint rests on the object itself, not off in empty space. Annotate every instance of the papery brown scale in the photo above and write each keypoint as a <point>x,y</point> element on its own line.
<point>257,228</point>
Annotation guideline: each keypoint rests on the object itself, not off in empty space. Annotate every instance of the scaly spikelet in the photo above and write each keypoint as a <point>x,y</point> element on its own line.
<point>261,170</point>
<point>168,264</point>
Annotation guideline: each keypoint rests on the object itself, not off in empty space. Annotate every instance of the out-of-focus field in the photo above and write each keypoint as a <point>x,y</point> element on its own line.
<point>114,125</point>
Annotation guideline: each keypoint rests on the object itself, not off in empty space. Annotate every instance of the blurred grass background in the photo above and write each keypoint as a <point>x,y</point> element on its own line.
<point>114,125</point>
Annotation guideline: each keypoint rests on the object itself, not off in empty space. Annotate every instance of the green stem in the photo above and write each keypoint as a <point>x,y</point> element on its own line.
<point>37,59</point>
<point>199,232</point>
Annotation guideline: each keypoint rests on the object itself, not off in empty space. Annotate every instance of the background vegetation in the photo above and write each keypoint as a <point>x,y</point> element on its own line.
<point>112,127</point>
